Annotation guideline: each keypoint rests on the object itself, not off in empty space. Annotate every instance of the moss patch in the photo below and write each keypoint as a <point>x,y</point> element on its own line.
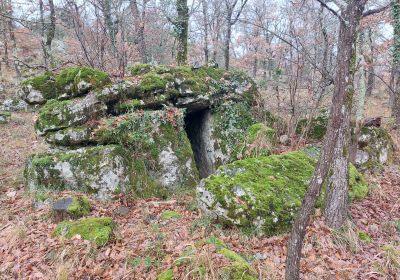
<point>166,275</point>
<point>363,236</point>
<point>68,80</point>
<point>265,192</point>
<point>97,230</point>
<point>79,207</point>
<point>166,215</point>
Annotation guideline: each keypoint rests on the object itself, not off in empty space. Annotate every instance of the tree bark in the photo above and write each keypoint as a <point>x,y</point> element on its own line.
<point>340,102</point>
<point>396,61</point>
<point>205,26</point>
<point>182,30</point>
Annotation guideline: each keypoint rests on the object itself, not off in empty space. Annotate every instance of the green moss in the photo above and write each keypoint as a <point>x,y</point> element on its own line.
<point>49,114</point>
<point>140,69</point>
<point>152,83</point>
<point>5,114</point>
<point>45,84</point>
<point>79,207</point>
<point>266,191</point>
<point>166,215</point>
<point>358,185</point>
<point>363,236</point>
<point>69,78</point>
<point>166,275</point>
<point>41,196</point>
<point>97,230</point>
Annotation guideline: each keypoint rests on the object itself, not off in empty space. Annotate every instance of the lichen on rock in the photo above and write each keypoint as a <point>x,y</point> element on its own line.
<point>375,148</point>
<point>56,115</point>
<point>263,192</point>
<point>101,170</point>
<point>97,230</point>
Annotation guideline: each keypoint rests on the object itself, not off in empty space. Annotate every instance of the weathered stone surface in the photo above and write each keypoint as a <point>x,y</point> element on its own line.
<point>375,148</point>
<point>14,105</point>
<point>161,152</point>
<point>102,170</point>
<point>263,192</point>
<point>38,89</point>
<point>71,136</point>
<point>56,115</point>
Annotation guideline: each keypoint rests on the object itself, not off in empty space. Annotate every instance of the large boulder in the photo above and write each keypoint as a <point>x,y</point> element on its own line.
<point>102,171</point>
<point>264,192</point>
<point>375,148</point>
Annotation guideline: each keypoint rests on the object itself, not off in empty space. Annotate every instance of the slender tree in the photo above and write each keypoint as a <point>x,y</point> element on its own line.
<point>232,16</point>
<point>396,61</point>
<point>182,30</point>
<point>336,139</point>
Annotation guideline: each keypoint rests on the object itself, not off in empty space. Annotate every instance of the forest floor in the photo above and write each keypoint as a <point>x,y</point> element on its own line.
<point>145,244</point>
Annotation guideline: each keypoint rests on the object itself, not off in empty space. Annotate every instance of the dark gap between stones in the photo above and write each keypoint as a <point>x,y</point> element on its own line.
<point>198,129</point>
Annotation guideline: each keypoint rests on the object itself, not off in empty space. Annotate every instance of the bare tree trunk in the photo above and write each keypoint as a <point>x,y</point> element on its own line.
<point>182,30</point>
<point>228,42</point>
<point>370,67</point>
<point>14,45</point>
<point>337,124</point>
<point>205,26</point>
<point>51,31</point>
<point>139,22</point>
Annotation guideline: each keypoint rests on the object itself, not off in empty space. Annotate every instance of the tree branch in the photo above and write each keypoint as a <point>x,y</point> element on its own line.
<point>324,4</point>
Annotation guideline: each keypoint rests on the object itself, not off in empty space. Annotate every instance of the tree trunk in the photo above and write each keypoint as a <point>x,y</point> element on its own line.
<point>370,66</point>
<point>228,41</point>
<point>396,61</point>
<point>205,26</point>
<point>139,22</point>
<point>337,124</point>
<point>51,32</point>
<point>182,30</point>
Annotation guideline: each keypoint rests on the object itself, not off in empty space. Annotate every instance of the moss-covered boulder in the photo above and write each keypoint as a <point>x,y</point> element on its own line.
<point>317,127</point>
<point>56,115</point>
<point>375,148</point>
<point>69,83</point>
<point>76,81</point>
<point>101,170</point>
<point>161,154</point>
<point>39,89</point>
<point>97,230</point>
<point>5,117</point>
<point>263,192</point>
